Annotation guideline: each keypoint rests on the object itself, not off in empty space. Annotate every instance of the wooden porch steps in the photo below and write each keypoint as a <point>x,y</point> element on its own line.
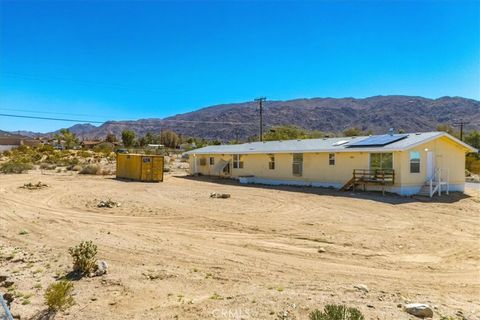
<point>348,185</point>
<point>424,191</point>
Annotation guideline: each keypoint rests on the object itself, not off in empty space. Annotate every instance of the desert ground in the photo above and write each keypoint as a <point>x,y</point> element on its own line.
<point>265,253</point>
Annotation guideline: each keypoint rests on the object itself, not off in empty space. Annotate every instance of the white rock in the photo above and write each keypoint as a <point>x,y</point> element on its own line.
<point>102,268</point>
<point>361,287</point>
<point>419,310</point>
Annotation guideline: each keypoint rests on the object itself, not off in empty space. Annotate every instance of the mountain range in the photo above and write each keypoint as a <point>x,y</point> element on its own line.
<point>229,121</point>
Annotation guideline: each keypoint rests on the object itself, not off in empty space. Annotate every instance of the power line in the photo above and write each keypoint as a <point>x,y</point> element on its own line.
<point>48,112</point>
<point>46,118</point>
<point>101,122</point>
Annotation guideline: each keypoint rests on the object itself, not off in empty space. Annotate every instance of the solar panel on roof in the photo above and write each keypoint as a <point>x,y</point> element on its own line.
<point>378,141</point>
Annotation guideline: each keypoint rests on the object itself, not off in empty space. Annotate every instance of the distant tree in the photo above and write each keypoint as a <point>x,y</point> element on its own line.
<point>151,138</point>
<point>128,138</point>
<point>111,138</point>
<point>68,137</point>
<point>448,129</point>
<point>252,138</point>
<point>215,142</point>
<point>104,147</point>
<point>473,138</point>
<point>169,139</point>
<point>352,132</point>
<point>287,132</point>
<point>142,142</point>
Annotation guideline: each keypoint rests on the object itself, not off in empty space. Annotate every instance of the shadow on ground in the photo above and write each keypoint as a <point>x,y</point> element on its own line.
<point>390,198</point>
<point>46,314</point>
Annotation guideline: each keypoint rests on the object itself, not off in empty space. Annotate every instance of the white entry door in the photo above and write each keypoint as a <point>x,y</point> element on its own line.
<point>430,164</point>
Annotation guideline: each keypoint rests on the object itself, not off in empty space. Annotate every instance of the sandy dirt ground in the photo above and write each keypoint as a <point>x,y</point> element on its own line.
<point>175,253</point>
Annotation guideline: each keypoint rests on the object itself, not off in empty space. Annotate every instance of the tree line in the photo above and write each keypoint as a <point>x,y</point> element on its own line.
<point>171,139</point>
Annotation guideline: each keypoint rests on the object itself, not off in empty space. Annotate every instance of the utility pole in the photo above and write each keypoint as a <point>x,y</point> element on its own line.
<point>461,123</point>
<point>260,104</point>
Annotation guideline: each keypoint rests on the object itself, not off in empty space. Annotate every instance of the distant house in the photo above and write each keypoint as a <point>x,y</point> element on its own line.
<point>90,144</point>
<point>9,141</point>
<point>406,164</point>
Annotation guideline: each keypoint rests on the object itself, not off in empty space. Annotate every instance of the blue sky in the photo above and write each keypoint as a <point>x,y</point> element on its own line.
<point>116,60</point>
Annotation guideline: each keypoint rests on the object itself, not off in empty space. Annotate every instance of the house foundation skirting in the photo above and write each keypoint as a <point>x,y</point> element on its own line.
<point>401,190</point>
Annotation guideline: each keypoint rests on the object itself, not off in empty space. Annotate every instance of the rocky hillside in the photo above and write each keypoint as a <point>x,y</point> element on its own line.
<point>377,113</point>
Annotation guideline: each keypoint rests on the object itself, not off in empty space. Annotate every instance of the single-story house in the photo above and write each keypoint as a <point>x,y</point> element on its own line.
<point>90,144</point>
<point>9,141</point>
<point>406,164</point>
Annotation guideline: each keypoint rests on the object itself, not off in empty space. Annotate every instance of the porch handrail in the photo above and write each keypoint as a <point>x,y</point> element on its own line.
<point>375,175</point>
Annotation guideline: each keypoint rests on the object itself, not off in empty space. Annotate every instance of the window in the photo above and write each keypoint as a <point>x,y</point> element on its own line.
<point>297,165</point>
<point>331,159</point>
<point>271,162</point>
<point>414,162</point>
<point>381,160</point>
<point>203,161</point>
<point>212,161</point>
<point>237,161</point>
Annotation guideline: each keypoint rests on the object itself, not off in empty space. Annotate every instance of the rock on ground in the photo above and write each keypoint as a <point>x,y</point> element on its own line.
<point>419,310</point>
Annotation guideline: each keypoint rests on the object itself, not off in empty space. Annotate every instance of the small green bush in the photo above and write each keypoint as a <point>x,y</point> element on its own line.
<point>90,169</point>
<point>15,167</point>
<point>45,148</point>
<point>83,256</point>
<point>336,312</point>
<point>58,296</point>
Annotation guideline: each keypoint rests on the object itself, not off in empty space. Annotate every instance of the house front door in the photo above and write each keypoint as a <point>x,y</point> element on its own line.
<point>430,165</point>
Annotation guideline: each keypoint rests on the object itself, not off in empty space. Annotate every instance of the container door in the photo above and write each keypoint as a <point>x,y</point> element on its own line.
<point>146,169</point>
<point>157,169</point>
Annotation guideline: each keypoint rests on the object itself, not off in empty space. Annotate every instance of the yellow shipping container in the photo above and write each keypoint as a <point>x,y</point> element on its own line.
<point>140,167</point>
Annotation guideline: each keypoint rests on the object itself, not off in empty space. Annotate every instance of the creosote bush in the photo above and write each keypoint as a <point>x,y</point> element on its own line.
<point>58,295</point>
<point>15,167</point>
<point>83,256</point>
<point>336,312</point>
<point>90,169</point>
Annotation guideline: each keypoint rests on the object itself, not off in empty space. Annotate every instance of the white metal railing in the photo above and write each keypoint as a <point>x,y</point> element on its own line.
<point>5,313</point>
<point>440,178</point>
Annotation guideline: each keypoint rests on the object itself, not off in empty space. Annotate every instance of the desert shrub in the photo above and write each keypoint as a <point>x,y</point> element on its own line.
<point>84,257</point>
<point>84,154</point>
<point>90,169</point>
<point>336,312</point>
<point>104,147</point>
<point>58,295</point>
<point>72,161</point>
<point>7,153</point>
<point>45,148</point>
<point>74,167</point>
<point>107,172</point>
<point>472,162</point>
<point>15,167</point>
<point>48,166</point>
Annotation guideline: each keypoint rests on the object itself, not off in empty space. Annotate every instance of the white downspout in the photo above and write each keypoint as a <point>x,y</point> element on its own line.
<point>194,164</point>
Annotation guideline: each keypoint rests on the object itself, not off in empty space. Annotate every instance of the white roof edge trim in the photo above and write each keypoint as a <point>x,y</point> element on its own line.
<point>442,134</point>
<point>350,150</point>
